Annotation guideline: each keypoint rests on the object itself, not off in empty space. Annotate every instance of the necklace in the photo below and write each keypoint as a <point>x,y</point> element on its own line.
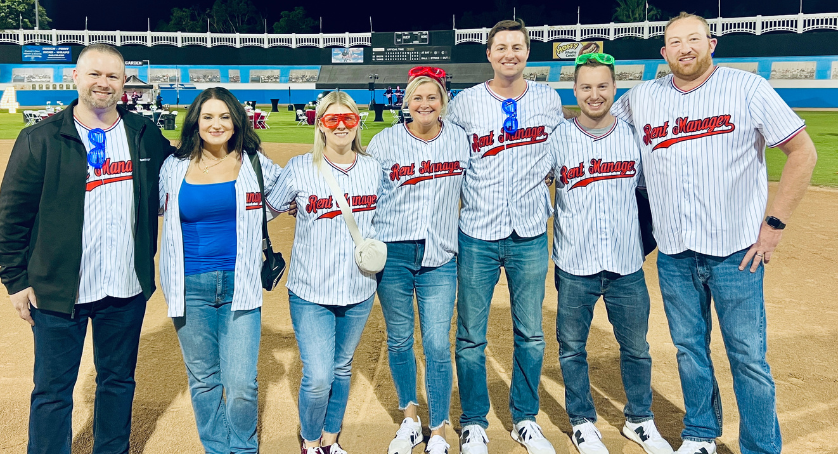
<point>217,161</point>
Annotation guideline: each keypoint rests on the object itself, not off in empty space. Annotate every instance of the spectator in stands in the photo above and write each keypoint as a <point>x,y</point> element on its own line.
<point>124,98</point>
<point>210,263</point>
<point>417,218</point>
<point>330,297</point>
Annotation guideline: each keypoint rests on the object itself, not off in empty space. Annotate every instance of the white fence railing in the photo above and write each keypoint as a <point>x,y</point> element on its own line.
<point>180,39</point>
<point>758,25</point>
<point>797,23</point>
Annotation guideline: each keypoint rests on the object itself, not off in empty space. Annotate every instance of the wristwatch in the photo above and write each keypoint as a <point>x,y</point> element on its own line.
<point>774,223</point>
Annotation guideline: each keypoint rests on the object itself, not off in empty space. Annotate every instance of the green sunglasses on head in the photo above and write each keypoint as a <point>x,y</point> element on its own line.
<point>605,59</point>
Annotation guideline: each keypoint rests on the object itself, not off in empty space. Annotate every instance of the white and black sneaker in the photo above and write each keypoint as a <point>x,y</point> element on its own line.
<point>407,437</point>
<point>587,439</point>
<point>473,440</point>
<point>437,445</point>
<point>529,434</point>
<point>647,436</point>
<point>697,447</point>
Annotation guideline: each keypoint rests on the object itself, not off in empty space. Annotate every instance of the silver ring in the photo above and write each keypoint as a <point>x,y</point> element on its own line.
<point>759,255</point>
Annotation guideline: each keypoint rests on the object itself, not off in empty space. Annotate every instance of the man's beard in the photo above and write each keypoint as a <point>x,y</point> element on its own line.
<point>88,98</point>
<point>701,66</point>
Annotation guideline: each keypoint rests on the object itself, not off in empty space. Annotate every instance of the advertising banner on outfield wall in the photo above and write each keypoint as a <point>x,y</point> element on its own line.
<point>46,53</point>
<point>571,50</point>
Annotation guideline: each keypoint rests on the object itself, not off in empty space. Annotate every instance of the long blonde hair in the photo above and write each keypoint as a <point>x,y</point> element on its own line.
<point>417,81</point>
<point>343,99</point>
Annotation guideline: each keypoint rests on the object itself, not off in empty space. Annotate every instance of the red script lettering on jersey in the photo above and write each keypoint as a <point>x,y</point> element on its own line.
<point>694,129</point>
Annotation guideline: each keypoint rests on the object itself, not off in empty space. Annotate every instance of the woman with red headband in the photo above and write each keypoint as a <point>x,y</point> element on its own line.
<point>422,166</point>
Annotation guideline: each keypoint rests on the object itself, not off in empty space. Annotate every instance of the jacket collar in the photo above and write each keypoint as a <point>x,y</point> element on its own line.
<point>68,125</point>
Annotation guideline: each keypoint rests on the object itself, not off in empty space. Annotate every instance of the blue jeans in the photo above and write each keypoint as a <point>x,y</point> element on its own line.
<point>435,290</point>
<point>220,348</point>
<point>478,269</point>
<point>327,337</point>
<point>688,281</point>
<point>627,302</point>
<point>59,340</point>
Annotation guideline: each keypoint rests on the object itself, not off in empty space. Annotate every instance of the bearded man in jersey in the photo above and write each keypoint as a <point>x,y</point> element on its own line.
<point>704,130</point>
<point>78,233</point>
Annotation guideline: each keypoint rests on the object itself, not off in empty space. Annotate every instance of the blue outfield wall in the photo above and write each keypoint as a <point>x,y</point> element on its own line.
<point>795,97</point>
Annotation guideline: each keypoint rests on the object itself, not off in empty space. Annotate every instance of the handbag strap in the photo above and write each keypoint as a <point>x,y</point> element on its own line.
<point>257,167</point>
<point>342,203</point>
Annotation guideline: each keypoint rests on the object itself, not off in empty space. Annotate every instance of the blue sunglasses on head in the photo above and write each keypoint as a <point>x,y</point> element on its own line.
<point>96,156</point>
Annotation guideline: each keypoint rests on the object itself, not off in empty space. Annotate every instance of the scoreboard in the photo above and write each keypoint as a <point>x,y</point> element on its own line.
<point>410,38</point>
<point>411,54</point>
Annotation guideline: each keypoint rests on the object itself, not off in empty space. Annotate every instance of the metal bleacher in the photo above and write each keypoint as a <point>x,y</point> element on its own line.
<point>348,77</point>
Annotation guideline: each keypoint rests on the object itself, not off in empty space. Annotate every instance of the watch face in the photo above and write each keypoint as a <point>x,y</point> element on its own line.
<point>774,223</point>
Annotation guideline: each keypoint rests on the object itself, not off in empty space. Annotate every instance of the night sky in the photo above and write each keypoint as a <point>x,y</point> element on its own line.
<point>339,16</point>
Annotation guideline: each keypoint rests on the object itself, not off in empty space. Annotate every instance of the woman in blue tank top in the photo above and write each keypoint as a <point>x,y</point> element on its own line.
<point>210,262</point>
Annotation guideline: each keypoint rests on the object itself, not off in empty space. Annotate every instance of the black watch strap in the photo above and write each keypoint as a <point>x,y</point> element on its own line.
<point>774,223</point>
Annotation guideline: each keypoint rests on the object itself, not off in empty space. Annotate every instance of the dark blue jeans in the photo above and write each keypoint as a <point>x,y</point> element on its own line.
<point>435,289</point>
<point>59,340</point>
<point>627,302</point>
<point>479,262</point>
<point>688,282</point>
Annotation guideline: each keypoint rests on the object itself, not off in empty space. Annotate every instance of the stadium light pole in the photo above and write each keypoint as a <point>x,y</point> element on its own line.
<point>36,14</point>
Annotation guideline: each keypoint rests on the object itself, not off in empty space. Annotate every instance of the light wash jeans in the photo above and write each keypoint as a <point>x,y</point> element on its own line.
<point>435,289</point>
<point>327,337</point>
<point>627,303</point>
<point>688,281</point>
<point>220,348</point>
<point>478,270</point>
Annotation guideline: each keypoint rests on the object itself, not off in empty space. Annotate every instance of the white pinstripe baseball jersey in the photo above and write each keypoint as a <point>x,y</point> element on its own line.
<point>323,268</point>
<point>247,285</point>
<point>107,258</point>
<point>420,188</point>
<point>704,157</point>
<point>595,225</point>
<point>504,188</point>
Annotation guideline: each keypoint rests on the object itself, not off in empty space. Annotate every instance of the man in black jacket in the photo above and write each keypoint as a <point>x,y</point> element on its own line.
<point>78,234</point>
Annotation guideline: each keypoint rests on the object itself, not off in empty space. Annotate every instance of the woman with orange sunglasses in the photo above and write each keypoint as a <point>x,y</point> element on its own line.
<point>422,164</point>
<point>330,297</point>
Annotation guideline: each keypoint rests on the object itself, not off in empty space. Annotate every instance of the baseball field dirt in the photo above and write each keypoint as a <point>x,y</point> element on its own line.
<point>800,289</point>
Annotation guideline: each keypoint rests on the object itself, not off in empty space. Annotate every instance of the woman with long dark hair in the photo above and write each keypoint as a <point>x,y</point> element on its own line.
<point>210,262</point>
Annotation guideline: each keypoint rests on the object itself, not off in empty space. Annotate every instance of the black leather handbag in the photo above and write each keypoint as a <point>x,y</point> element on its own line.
<point>274,265</point>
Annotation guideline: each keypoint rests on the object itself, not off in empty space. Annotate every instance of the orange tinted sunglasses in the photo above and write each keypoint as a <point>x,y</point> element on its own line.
<point>331,121</point>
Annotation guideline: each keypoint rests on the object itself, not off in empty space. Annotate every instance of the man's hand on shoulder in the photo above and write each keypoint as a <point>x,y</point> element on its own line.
<point>21,301</point>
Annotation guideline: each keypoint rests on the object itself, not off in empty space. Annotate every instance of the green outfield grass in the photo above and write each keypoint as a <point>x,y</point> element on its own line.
<point>283,129</point>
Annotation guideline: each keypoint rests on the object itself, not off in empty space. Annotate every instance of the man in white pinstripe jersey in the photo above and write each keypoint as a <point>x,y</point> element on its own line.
<point>503,223</point>
<point>78,233</point>
<point>704,131</point>
<point>598,253</point>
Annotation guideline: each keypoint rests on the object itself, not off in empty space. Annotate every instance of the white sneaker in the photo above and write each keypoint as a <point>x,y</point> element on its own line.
<point>647,436</point>
<point>437,445</point>
<point>473,440</point>
<point>529,434</point>
<point>587,439</point>
<point>407,437</point>
<point>334,448</point>
<point>697,447</point>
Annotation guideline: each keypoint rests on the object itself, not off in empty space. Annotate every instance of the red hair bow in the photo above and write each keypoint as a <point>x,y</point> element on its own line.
<point>437,74</point>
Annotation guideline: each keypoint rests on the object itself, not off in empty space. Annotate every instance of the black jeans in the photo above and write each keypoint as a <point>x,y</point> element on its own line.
<point>59,340</point>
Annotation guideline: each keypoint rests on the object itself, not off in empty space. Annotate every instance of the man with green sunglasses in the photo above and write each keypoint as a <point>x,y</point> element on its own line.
<point>597,166</point>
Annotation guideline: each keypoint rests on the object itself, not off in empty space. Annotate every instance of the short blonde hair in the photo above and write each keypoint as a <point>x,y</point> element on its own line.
<point>340,98</point>
<point>417,81</point>
<point>685,15</point>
